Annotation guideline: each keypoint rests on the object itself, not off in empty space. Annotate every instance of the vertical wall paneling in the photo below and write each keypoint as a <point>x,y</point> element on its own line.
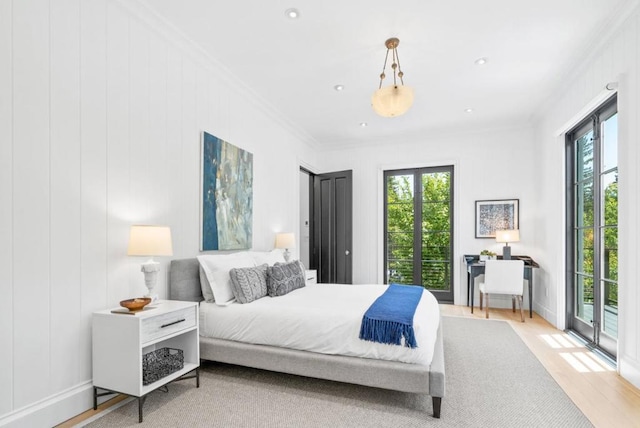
<point>65,185</point>
<point>202,111</point>
<point>202,98</point>
<point>157,132</point>
<point>31,201</point>
<point>191,152</point>
<point>139,144</point>
<point>159,203</point>
<point>140,153</point>
<point>173,137</point>
<point>6,215</point>
<point>118,152</point>
<point>93,222</point>
<point>100,120</point>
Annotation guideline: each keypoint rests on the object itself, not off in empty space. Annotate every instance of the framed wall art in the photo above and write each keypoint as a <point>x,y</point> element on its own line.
<point>496,215</point>
<point>227,196</point>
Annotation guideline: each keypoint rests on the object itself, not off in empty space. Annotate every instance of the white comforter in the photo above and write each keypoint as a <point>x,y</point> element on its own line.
<point>323,318</point>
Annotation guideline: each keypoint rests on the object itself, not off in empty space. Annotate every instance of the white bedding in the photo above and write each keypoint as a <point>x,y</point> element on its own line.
<point>323,318</point>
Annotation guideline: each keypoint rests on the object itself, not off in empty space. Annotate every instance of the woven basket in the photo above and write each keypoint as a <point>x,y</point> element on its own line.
<point>160,363</point>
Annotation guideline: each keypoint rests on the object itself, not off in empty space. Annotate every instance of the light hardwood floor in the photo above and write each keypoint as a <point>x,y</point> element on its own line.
<point>602,395</point>
<point>595,387</point>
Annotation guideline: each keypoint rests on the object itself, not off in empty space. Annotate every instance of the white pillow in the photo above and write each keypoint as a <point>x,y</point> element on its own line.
<point>217,267</point>
<point>205,287</point>
<point>268,257</point>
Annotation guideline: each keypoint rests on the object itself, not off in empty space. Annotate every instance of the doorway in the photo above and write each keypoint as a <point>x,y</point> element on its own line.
<point>332,226</point>
<point>418,229</point>
<point>592,228</point>
<point>329,213</point>
<point>306,191</point>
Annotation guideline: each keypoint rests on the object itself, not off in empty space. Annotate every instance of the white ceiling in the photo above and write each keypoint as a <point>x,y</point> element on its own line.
<point>294,64</point>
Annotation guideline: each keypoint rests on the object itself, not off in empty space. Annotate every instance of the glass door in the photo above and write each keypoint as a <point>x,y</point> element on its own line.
<point>419,229</point>
<point>592,292</point>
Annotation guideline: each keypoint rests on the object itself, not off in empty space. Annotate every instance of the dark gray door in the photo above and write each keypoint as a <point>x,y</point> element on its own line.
<point>332,227</point>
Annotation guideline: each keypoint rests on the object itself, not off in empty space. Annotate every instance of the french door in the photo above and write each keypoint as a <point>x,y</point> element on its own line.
<point>592,210</point>
<point>418,218</point>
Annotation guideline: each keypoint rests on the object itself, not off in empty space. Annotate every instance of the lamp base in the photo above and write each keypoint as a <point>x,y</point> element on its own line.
<point>154,297</point>
<point>287,255</point>
<point>506,252</point>
<point>150,270</point>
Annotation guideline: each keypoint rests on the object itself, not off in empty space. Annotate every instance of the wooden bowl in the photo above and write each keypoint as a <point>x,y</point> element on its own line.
<point>136,304</point>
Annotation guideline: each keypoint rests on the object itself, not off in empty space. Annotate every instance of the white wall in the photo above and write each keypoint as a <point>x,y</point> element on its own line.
<point>303,228</point>
<point>101,114</point>
<point>101,110</point>
<point>616,59</point>
<point>487,165</point>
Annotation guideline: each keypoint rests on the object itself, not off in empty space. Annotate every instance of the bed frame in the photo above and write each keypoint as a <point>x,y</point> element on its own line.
<point>184,284</point>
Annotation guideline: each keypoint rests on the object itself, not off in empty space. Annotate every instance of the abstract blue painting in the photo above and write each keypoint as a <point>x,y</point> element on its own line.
<point>227,196</point>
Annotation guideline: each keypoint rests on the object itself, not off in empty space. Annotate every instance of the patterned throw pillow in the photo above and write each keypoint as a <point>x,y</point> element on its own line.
<point>216,268</point>
<point>283,278</point>
<point>249,284</point>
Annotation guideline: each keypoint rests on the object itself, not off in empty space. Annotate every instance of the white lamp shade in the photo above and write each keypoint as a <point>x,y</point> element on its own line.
<point>285,240</point>
<point>511,235</point>
<point>150,241</point>
<point>392,101</point>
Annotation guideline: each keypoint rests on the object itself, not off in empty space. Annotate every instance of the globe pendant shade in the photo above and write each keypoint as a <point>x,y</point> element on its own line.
<point>392,101</point>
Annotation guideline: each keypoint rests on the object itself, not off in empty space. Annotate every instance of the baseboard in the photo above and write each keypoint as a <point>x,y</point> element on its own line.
<point>545,313</point>
<point>52,410</point>
<point>630,370</point>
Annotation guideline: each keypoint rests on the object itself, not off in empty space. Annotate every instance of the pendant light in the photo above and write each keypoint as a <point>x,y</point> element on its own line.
<point>393,100</point>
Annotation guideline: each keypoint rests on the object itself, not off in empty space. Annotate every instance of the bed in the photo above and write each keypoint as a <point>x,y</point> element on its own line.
<point>184,284</point>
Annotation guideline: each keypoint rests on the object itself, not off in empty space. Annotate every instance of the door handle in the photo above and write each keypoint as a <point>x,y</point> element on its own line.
<point>346,252</point>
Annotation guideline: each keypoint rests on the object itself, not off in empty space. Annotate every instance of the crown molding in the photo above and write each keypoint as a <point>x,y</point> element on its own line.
<point>411,138</point>
<point>145,13</point>
<point>581,59</point>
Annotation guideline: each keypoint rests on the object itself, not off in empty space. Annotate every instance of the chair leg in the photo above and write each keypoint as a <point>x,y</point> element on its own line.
<point>513,303</point>
<point>521,314</point>
<point>481,300</point>
<point>486,309</point>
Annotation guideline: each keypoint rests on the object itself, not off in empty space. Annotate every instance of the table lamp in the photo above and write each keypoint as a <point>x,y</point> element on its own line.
<point>506,236</point>
<point>286,241</point>
<point>150,241</point>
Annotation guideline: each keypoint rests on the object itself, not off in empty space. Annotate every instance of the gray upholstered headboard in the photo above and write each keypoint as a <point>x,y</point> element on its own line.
<point>184,280</point>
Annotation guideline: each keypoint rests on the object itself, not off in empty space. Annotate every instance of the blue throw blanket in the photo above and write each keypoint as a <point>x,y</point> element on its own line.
<point>390,317</point>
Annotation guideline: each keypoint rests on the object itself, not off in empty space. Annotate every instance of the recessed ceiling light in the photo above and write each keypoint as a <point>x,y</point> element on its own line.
<point>481,61</point>
<point>468,110</point>
<point>338,87</point>
<point>292,13</point>
<point>364,124</point>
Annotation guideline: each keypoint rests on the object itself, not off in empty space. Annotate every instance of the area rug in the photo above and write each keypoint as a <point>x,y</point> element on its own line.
<point>492,380</point>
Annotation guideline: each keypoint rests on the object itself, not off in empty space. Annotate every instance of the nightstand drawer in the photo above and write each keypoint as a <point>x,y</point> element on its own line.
<point>311,277</point>
<point>165,324</point>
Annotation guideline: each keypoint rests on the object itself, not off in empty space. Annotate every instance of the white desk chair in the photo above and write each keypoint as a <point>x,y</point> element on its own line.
<point>503,277</point>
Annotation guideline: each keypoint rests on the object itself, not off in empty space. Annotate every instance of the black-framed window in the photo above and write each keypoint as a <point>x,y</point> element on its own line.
<point>592,227</point>
<point>418,228</point>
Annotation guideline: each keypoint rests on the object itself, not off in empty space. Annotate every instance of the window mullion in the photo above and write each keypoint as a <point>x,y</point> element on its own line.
<point>597,223</point>
<point>417,227</point>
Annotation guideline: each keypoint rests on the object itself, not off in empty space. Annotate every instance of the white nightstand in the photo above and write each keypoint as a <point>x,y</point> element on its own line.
<point>121,340</point>
<point>310,277</point>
